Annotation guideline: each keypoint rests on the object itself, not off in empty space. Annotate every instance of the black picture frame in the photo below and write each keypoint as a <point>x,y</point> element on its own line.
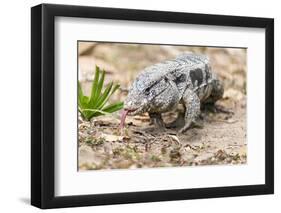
<point>43,102</point>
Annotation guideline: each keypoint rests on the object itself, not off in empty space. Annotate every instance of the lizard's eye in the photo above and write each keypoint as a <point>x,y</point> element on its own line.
<point>147,91</point>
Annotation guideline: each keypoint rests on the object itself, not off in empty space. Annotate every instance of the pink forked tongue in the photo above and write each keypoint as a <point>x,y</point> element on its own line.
<point>123,118</point>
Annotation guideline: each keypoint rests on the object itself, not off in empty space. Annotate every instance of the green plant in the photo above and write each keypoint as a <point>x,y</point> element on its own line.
<point>96,104</point>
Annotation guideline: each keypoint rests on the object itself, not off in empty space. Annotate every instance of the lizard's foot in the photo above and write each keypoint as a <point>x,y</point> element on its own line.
<point>157,121</point>
<point>223,110</point>
<point>185,128</point>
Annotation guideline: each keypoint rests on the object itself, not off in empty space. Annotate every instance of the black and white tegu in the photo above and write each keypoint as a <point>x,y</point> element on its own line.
<point>187,79</point>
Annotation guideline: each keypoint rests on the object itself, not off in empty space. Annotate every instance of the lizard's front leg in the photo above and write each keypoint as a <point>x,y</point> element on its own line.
<point>157,120</point>
<point>192,106</point>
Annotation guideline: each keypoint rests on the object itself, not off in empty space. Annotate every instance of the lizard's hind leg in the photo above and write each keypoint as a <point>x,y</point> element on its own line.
<point>192,105</point>
<point>217,93</point>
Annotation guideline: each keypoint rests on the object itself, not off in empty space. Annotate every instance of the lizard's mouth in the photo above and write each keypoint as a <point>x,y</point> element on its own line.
<point>130,110</point>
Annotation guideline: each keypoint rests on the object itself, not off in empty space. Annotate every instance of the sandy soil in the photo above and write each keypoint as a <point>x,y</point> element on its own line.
<point>220,140</point>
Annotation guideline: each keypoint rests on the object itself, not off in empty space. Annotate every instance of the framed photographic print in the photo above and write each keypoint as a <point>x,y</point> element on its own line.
<point>140,106</point>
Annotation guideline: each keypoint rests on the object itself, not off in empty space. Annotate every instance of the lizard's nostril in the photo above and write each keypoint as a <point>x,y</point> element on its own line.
<point>128,104</point>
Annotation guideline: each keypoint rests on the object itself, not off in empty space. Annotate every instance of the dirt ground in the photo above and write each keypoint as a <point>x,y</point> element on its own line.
<point>220,140</point>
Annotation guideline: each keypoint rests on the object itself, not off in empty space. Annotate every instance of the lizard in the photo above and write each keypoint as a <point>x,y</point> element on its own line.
<point>187,79</point>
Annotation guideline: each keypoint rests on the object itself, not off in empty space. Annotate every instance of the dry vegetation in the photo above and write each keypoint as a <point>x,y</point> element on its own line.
<point>222,140</point>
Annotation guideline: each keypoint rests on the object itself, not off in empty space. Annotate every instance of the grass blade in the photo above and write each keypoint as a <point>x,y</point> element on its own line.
<point>113,90</point>
<point>80,94</point>
<point>95,110</point>
<point>98,90</point>
<point>80,91</point>
<point>82,100</point>
<point>104,96</point>
<point>100,84</point>
<point>95,85</point>
<point>113,107</point>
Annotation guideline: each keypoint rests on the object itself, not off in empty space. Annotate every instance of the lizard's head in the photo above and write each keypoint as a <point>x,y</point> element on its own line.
<point>136,101</point>
<point>144,94</point>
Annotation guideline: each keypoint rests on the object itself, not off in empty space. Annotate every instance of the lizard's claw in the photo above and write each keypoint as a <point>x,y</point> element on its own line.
<point>189,125</point>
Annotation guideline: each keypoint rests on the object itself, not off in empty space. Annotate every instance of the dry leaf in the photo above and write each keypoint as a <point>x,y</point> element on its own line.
<point>175,138</point>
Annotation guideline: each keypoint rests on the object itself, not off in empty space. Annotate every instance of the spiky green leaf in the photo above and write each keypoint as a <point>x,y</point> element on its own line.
<point>113,107</point>
<point>104,96</point>
<point>95,104</point>
<point>115,87</point>
<point>95,86</point>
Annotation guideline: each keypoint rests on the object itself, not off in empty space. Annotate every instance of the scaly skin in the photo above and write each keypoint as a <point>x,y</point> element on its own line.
<point>187,79</point>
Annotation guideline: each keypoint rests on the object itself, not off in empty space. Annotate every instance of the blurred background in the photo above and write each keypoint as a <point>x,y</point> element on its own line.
<point>123,62</point>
